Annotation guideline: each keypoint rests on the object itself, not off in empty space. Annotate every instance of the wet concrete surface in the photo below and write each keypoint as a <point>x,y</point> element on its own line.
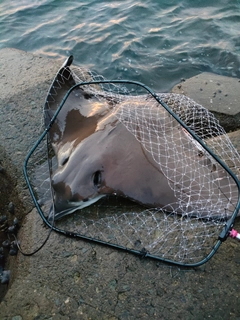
<point>75,279</point>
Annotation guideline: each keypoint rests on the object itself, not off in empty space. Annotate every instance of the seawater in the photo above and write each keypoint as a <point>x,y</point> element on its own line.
<point>157,42</point>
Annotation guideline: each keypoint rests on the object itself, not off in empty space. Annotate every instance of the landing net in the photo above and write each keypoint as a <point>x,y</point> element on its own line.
<point>182,139</point>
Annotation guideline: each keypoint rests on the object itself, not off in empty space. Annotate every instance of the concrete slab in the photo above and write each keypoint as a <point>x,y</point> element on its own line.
<point>214,92</point>
<point>15,67</point>
<point>24,81</point>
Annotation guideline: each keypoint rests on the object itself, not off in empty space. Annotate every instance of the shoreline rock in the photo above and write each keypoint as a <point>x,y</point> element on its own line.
<point>219,94</point>
<point>214,92</point>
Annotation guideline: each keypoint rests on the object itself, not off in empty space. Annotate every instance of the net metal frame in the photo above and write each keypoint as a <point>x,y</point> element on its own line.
<point>223,226</point>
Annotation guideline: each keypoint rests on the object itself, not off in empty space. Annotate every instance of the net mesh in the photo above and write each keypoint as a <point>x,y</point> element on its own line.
<point>184,231</point>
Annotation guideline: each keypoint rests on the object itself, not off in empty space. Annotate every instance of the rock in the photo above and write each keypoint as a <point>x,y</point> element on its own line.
<point>3,219</point>
<point>13,248</point>
<point>217,94</point>
<point>6,244</point>
<point>13,251</point>
<point>1,259</point>
<point>15,221</point>
<point>12,229</point>
<point>11,208</point>
<point>214,92</point>
<point>18,318</point>
<point>5,277</point>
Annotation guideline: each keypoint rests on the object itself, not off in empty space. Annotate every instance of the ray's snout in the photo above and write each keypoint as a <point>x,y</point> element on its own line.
<point>74,186</point>
<point>62,196</point>
<point>64,201</point>
<point>65,183</point>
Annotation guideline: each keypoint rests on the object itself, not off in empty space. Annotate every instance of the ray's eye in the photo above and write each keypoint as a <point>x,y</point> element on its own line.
<point>64,161</point>
<point>97,179</point>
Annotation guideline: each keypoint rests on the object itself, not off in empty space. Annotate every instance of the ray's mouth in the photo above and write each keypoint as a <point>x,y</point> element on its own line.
<point>60,210</point>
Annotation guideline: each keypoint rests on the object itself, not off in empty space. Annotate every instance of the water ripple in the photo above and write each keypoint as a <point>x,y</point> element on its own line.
<point>156,42</point>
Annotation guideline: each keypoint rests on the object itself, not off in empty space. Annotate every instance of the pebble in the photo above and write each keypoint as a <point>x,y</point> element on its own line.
<point>5,277</point>
<point>15,222</point>
<point>13,249</point>
<point>3,219</point>
<point>17,318</point>
<point>1,169</point>
<point>12,229</point>
<point>1,259</point>
<point>11,208</point>
<point>6,244</point>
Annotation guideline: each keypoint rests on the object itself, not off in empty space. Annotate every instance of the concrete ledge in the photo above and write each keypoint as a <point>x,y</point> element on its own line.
<point>21,71</point>
<point>24,81</point>
<point>216,93</point>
